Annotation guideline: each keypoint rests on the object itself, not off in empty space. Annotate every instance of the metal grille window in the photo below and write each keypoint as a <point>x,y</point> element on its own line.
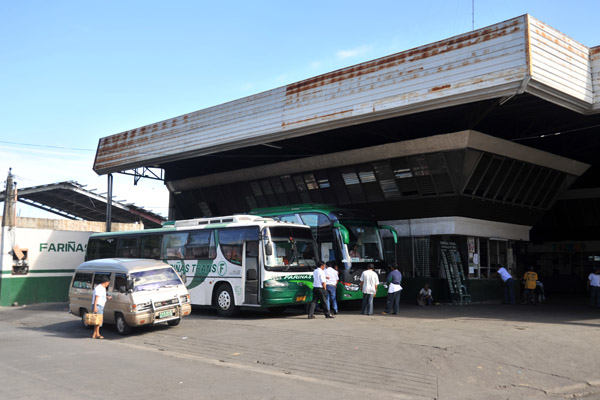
<point>421,257</point>
<point>311,182</point>
<point>313,188</point>
<point>514,182</point>
<point>324,183</point>
<point>290,189</point>
<point>350,178</point>
<point>301,188</point>
<point>279,191</point>
<point>367,176</point>
<point>404,177</point>
<point>420,169</point>
<point>385,176</point>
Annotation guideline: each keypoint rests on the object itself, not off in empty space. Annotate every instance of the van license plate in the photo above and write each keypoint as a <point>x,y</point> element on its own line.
<point>163,314</point>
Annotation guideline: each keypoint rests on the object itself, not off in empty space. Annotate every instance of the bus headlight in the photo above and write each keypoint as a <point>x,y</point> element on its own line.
<point>351,287</point>
<point>273,283</point>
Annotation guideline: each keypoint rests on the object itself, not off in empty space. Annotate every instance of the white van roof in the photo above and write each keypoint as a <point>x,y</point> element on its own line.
<point>123,265</point>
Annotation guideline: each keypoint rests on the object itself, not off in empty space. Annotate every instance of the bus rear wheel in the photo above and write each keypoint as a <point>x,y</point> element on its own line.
<point>225,302</point>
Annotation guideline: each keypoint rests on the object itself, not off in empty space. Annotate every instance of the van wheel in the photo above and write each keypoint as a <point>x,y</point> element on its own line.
<point>122,326</point>
<point>225,302</point>
<point>83,312</point>
<point>174,322</point>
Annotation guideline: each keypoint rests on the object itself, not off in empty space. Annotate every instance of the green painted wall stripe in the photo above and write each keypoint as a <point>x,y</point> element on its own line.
<point>34,290</point>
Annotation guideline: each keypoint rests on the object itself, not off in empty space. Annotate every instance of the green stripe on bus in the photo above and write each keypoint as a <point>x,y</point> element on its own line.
<point>44,271</point>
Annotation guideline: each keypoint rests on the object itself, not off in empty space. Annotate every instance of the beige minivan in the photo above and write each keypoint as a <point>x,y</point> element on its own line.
<point>143,292</point>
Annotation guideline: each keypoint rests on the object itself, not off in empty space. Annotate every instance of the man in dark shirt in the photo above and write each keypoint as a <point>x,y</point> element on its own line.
<point>394,289</point>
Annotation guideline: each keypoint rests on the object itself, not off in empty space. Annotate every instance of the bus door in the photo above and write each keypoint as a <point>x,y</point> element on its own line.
<point>251,272</point>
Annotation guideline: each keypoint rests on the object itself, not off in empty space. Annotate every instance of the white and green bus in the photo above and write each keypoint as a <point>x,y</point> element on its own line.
<point>226,262</point>
<point>350,237</point>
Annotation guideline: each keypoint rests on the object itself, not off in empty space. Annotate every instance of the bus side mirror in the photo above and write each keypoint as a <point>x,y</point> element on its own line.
<point>392,231</point>
<point>269,249</point>
<point>343,231</point>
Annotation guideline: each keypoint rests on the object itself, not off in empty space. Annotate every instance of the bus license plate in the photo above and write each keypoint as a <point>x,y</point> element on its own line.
<point>167,313</point>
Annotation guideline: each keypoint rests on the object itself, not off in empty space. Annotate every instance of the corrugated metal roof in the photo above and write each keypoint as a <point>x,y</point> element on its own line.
<point>518,55</point>
<point>595,61</point>
<point>71,200</point>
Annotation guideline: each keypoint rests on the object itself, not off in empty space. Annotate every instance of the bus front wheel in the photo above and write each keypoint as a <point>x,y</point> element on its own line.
<point>225,302</point>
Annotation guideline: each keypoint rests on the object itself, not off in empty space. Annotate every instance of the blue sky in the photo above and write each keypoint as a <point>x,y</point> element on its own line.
<point>72,72</point>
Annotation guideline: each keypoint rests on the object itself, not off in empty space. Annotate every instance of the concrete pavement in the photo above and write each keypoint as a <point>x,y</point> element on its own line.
<point>446,352</point>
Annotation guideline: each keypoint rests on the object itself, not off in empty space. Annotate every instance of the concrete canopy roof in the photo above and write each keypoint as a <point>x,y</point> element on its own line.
<point>515,57</point>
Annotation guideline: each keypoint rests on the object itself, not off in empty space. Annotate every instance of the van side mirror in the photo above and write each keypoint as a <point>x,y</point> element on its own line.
<point>130,285</point>
<point>269,248</point>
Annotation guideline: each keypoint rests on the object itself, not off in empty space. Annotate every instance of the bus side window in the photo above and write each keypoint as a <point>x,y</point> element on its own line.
<point>127,248</point>
<point>102,248</point>
<point>232,242</point>
<point>200,245</point>
<point>173,245</point>
<point>319,225</point>
<point>151,246</point>
<point>82,280</point>
<point>289,218</point>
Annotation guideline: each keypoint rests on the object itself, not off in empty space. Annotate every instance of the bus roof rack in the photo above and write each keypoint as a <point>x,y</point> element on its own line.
<point>229,219</point>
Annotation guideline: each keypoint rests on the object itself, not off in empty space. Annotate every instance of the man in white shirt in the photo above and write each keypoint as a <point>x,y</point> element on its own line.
<point>319,290</point>
<point>368,284</point>
<point>99,300</point>
<point>593,286</point>
<point>509,290</point>
<point>331,279</point>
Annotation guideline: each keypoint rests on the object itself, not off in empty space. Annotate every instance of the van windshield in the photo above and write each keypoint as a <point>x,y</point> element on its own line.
<point>154,279</point>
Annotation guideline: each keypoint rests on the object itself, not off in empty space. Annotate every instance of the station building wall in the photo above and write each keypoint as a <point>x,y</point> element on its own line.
<point>53,249</point>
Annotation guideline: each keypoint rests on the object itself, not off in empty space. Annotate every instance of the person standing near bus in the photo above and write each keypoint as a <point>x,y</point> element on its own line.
<point>331,279</point>
<point>319,290</point>
<point>368,284</point>
<point>394,279</point>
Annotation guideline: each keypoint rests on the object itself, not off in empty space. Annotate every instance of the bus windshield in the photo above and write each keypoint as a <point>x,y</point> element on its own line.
<point>293,250</point>
<point>154,279</point>
<point>365,242</point>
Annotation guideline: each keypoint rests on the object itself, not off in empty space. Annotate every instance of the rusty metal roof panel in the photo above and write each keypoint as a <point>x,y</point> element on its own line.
<point>500,60</point>
<point>595,61</point>
<point>560,67</point>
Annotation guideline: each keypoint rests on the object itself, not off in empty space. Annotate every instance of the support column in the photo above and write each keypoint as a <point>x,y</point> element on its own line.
<point>109,202</point>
